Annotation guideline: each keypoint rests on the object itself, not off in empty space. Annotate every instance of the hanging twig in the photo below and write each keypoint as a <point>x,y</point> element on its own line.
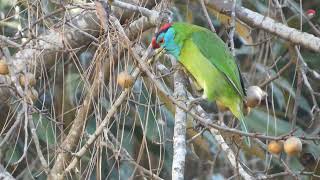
<point>204,9</point>
<point>233,28</point>
<point>37,144</point>
<point>276,76</point>
<point>112,143</point>
<point>113,109</point>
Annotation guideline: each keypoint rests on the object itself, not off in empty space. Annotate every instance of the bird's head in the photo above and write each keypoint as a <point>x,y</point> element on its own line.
<point>165,34</point>
<point>164,39</point>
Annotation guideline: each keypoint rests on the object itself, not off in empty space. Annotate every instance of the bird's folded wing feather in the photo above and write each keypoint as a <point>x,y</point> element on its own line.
<point>214,49</point>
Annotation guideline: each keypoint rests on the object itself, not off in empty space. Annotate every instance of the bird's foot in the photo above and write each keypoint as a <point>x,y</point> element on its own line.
<point>199,127</point>
<point>194,102</point>
<point>207,119</point>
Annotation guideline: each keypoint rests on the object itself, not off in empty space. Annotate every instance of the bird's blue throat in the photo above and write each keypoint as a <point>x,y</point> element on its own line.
<point>169,44</point>
<point>173,49</point>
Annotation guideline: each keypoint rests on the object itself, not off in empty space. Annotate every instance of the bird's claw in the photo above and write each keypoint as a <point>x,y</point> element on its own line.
<point>193,102</point>
<point>198,126</point>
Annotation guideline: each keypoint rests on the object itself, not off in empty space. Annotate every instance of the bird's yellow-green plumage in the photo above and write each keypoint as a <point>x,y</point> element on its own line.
<point>209,61</point>
<point>204,71</point>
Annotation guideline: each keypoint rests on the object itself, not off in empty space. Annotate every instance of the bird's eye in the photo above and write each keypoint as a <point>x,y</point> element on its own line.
<point>161,41</point>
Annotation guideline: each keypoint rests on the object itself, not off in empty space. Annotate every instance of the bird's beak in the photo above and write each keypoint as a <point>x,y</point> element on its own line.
<point>156,47</point>
<point>159,52</point>
<point>156,52</point>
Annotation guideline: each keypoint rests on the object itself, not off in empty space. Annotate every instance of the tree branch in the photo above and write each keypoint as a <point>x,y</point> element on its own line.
<point>179,137</point>
<point>5,175</point>
<point>257,20</point>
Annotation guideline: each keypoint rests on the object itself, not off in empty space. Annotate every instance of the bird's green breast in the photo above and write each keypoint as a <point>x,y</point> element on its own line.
<point>214,83</point>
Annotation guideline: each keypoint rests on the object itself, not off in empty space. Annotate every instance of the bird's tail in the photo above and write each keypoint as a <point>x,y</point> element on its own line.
<point>244,128</point>
<point>237,112</point>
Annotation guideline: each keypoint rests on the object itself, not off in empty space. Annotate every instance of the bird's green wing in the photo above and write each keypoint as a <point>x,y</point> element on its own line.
<point>213,48</point>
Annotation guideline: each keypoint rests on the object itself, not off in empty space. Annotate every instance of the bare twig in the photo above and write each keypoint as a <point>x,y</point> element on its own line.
<point>282,70</point>
<point>233,27</point>
<point>230,154</point>
<point>5,40</point>
<point>13,127</point>
<point>204,9</point>
<point>303,68</point>
<point>123,96</point>
<point>57,11</point>
<point>112,143</point>
<point>70,143</point>
<point>64,156</point>
<point>37,144</point>
<point>297,98</point>
<point>26,134</point>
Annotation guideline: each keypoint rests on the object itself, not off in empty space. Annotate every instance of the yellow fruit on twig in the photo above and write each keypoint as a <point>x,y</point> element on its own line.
<point>4,70</point>
<point>293,146</point>
<point>275,147</point>
<point>125,80</point>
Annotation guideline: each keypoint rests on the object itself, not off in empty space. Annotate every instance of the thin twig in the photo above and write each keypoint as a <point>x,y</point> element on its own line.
<point>6,40</point>
<point>12,128</point>
<point>233,27</point>
<point>4,174</point>
<point>282,70</point>
<point>204,9</point>
<point>112,143</point>
<point>231,157</point>
<point>37,144</point>
<point>70,143</point>
<point>113,109</point>
<point>297,97</point>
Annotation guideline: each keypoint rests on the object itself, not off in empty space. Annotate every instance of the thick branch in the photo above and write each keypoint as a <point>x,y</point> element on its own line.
<point>48,45</point>
<point>230,154</point>
<point>257,20</point>
<point>179,137</point>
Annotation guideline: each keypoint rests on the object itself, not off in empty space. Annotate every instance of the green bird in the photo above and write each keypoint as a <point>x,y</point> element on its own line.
<point>207,58</point>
